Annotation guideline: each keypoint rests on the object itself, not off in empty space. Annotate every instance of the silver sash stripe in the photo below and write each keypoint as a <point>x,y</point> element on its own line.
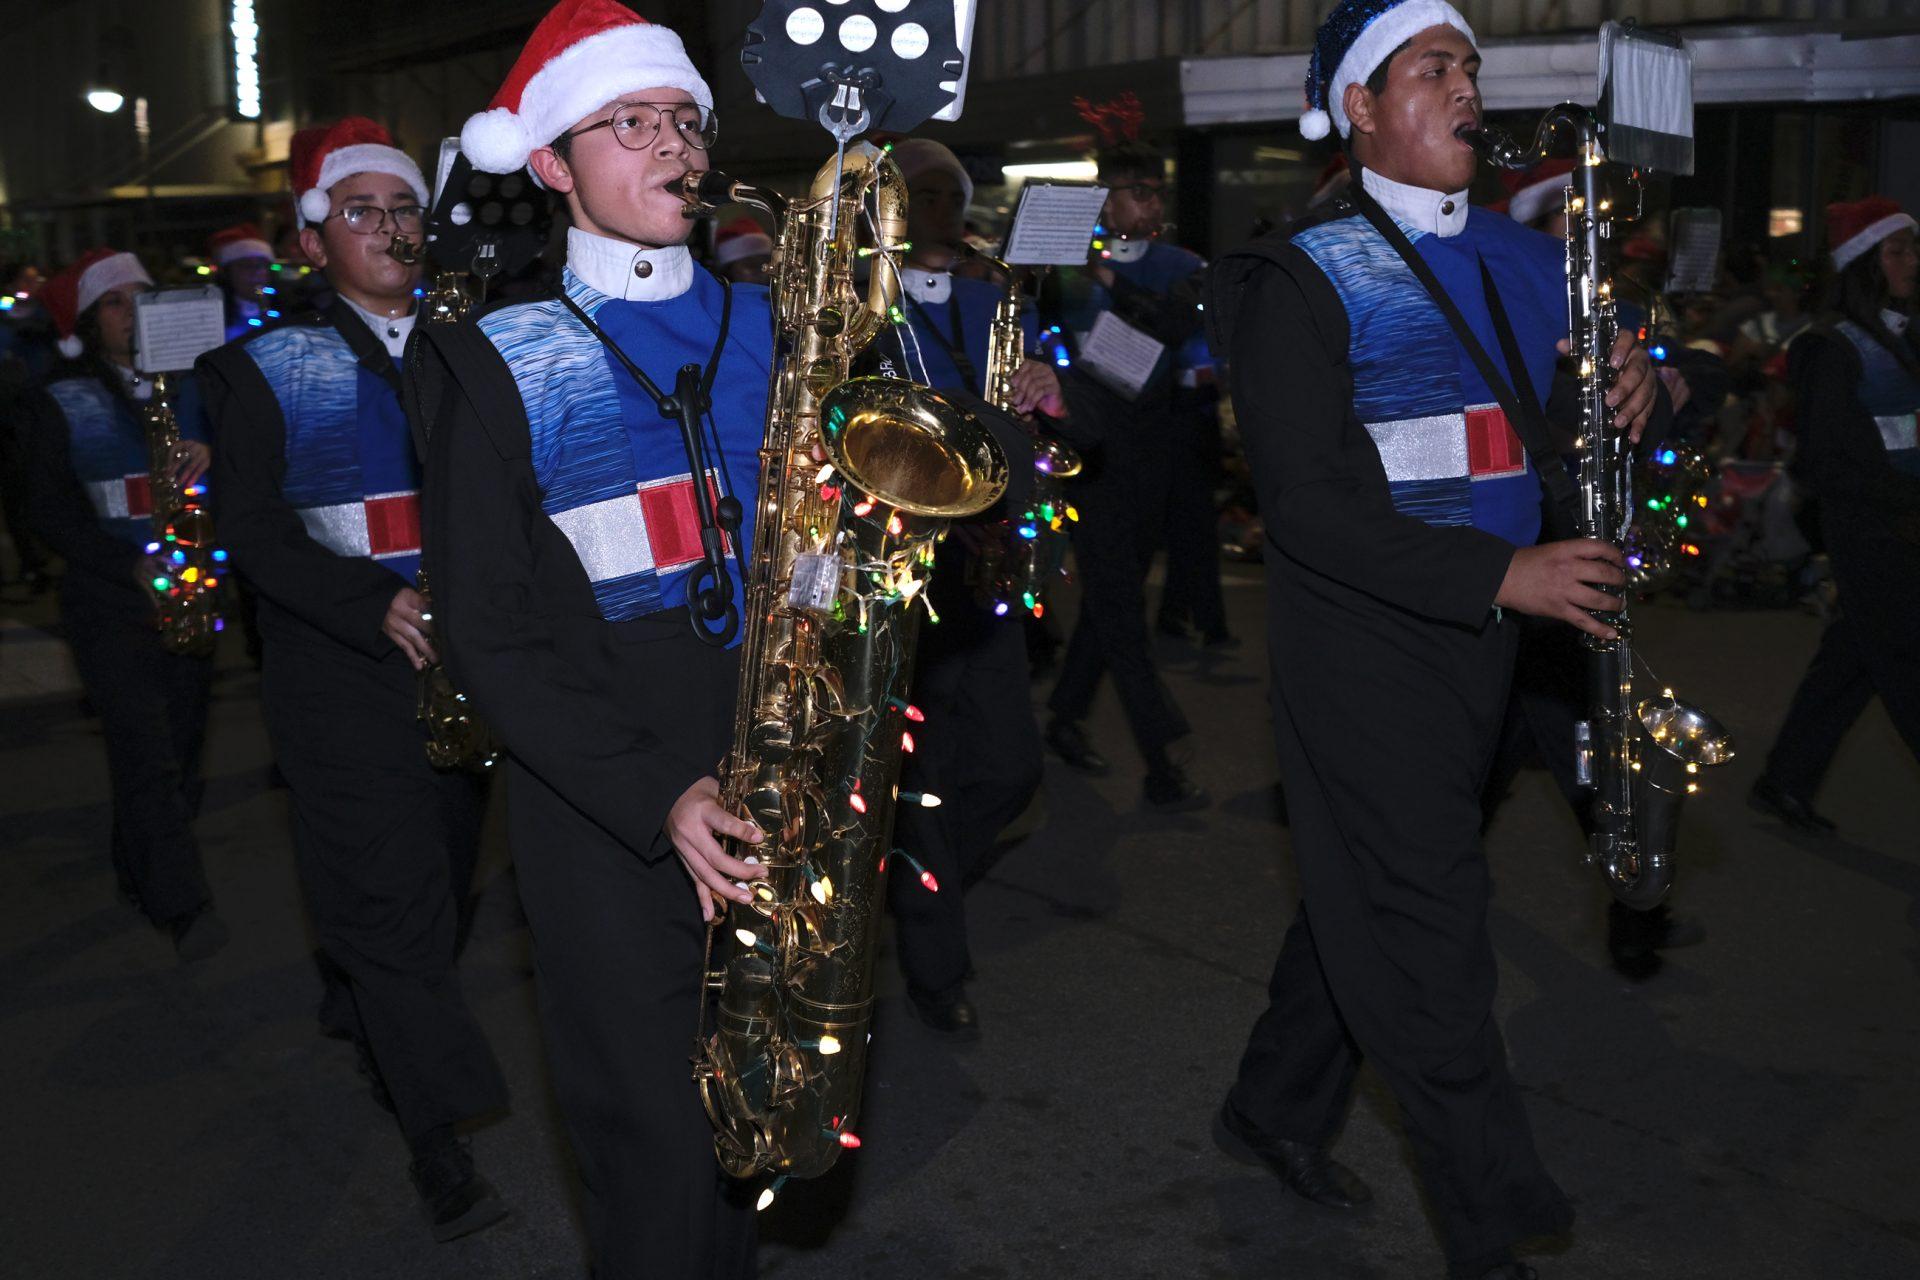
<point>1899,431</point>
<point>610,537</point>
<point>1432,448</point>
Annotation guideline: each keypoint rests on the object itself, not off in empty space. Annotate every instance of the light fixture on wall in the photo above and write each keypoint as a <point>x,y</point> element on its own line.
<point>105,101</point>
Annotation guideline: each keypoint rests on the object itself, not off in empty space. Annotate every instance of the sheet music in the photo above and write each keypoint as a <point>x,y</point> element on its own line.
<point>174,327</point>
<point>1696,251</point>
<point>1118,354</point>
<point>1053,224</point>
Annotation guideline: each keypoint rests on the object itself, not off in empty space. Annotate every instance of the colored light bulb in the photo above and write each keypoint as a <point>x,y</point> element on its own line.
<point>829,1045</point>
<point>906,743</point>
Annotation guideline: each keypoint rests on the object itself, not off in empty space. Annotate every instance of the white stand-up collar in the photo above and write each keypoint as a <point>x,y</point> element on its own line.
<point>1896,321</point>
<point>392,331</point>
<point>623,270</point>
<point>928,288</point>
<point>1126,250</point>
<point>138,385</point>
<point>1435,212</point>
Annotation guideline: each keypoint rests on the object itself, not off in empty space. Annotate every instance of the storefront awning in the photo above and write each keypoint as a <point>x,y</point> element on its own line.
<point>1731,65</point>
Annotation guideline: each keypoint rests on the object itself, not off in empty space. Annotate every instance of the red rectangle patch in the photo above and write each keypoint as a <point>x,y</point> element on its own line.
<point>1493,449</point>
<point>393,525</point>
<point>673,525</point>
<point>139,496</point>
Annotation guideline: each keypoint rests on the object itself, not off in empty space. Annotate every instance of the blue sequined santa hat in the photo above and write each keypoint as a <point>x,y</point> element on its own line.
<point>1356,38</point>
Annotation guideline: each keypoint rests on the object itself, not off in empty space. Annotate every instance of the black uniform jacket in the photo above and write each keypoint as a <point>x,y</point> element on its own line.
<point>617,718</point>
<point>1869,510</point>
<point>100,564</point>
<point>309,594</point>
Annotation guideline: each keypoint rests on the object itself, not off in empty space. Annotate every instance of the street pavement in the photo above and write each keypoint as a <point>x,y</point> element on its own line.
<point>1748,1112</point>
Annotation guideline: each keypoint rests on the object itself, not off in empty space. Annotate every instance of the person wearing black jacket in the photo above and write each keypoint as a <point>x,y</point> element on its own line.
<point>1856,384</point>
<point>319,507</point>
<point>1154,289</point>
<point>1382,383</point>
<point>88,499</point>
<point>980,748</point>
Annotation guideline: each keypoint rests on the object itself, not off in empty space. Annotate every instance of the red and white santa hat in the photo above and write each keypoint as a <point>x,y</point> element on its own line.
<point>1856,226</point>
<point>243,240</point>
<point>916,156</point>
<point>741,238</point>
<point>1535,191</point>
<point>323,155</point>
<point>584,54</point>
<point>68,295</point>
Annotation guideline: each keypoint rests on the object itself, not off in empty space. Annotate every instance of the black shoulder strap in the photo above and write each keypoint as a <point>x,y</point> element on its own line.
<point>368,350</point>
<point>1523,411</point>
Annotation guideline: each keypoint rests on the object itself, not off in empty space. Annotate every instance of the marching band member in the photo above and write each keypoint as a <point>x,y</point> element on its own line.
<point>1402,513</point>
<point>244,259</point>
<point>741,251</point>
<point>564,532</point>
<point>89,500</point>
<point>1856,381</point>
<point>318,485</point>
<point>981,751</point>
<point>1154,288</point>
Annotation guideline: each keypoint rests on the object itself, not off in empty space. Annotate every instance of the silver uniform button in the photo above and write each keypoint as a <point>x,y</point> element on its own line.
<point>643,268</point>
<point>1446,206</point>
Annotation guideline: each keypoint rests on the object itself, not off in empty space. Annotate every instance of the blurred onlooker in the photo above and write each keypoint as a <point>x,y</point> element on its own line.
<point>742,251</point>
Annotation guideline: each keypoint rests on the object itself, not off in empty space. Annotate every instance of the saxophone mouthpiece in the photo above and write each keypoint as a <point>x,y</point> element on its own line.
<point>703,189</point>
<point>401,249</point>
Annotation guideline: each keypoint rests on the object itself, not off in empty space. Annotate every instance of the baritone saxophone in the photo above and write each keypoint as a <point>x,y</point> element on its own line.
<point>836,577</point>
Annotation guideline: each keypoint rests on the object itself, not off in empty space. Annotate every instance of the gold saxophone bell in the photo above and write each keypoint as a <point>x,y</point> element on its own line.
<point>911,450</point>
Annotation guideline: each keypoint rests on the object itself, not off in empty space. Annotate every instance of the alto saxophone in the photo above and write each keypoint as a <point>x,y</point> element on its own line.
<point>1640,756</point>
<point>1032,551</point>
<point>457,738</point>
<point>840,558</point>
<point>186,595</point>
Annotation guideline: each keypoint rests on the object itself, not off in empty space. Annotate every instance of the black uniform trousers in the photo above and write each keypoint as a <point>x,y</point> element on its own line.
<point>385,845</point>
<point>1549,690</point>
<point>153,716</point>
<point>1383,752</point>
<point>979,751</point>
<point>619,959</point>
<point>1192,592</point>
<point>1118,497</point>
<point>1846,671</point>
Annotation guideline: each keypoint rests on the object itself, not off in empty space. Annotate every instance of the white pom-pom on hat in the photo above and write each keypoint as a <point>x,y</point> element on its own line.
<point>1314,125</point>
<point>71,347</point>
<point>496,141</point>
<point>315,205</point>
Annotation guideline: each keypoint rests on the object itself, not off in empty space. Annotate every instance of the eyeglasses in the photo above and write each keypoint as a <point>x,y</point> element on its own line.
<point>1144,190</point>
<point>371,219</point>
<point>636,124</point>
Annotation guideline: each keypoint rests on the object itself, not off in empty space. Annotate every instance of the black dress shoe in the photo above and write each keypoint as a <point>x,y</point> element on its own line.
<point>1170,790</point>
<point>1305,1169</point>
<point>1797,812</point>
<point>456,1200</point>
<point>952,1015</point>
<point>199,934</point>
<point>1068,738</point>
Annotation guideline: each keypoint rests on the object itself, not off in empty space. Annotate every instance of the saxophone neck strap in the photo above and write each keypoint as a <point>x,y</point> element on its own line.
<point>1521,405</point>
<point>956,349</point>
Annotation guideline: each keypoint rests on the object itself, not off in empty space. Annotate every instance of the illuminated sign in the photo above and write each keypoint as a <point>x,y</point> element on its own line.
<point>244,30</point>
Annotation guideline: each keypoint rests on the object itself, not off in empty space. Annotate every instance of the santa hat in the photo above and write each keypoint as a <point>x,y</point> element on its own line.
<point>1355,39</point>
<point>1333,179</point>
<point>584,54</point>
<point>321,156</point>
<point>741,238</point>
<point>236,242</point>
<point>1535,191</point>
<point>68,295</point>
<point>1855,227</point>
<point>916,156</point>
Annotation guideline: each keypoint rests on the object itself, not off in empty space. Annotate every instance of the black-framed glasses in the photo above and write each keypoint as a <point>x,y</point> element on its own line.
<point>371,219</point>
<point>636,124</point>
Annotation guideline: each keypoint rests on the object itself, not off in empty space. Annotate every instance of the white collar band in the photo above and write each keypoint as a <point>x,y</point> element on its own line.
<point>928,288</point>
<point>623,270</point>
<point>1434,212</point>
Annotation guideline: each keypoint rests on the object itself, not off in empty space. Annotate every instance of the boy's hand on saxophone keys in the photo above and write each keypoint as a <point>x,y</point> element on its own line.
<point>692,824</point>
<point>1037,387</point>
<point>1632,392</point>
<point>1564,580</point>
<point>190,462</point>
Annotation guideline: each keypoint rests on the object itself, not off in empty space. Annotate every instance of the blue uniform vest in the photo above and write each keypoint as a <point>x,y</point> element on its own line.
<point>1890,395</point>
<point>108,451</point>
<point>923,345</point>
<point>1450,454</point>
<point>612,472</point>
<point>351,471</point>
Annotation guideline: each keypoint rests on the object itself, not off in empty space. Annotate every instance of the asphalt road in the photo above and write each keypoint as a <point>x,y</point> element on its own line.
<point>1749,1112</point>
